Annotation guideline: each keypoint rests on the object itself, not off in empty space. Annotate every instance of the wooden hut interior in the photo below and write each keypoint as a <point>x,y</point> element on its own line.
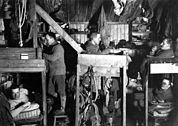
<point>128,78</point>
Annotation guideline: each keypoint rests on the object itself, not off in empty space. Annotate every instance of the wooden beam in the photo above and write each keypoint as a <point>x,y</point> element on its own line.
<point>102,60</point>
<point>34,28</point>
<point>58,29</point>
<point>16,53</point>
<point>43,76</point>
<point>158,68</point>
<point>33,65</point>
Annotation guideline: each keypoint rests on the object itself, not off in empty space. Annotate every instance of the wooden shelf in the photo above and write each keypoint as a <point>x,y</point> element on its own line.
<point>140,33</point>
<point>32,65</point>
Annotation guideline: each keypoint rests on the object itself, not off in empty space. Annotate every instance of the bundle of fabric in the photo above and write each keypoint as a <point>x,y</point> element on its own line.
<point>32,111</point>
<point>161,110</point>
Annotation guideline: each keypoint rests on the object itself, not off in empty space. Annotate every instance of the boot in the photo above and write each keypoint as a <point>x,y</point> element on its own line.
<point>61,111</point>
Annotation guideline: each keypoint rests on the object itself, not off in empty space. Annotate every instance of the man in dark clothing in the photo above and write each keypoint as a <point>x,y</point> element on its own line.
<point>166,49</point>
<point>6,118</point>
<point>162,94</point>
<point>57,69</point>
<point>92,45</point>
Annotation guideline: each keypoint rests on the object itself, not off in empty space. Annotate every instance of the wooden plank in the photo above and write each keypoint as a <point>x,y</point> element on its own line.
<point>125,81</point>
<point>35,32</point>
<point>20,70</point>
<point>16,50</point>
<point>115,32</point>
<point>80,38</point>
<point>22,65</point>
<point>15,53</point>
<point>102,60</point>
<point>77,97</point>
<point>34,19</point>
<point>101,71</point>
<point>58,29</point>
<point>159,68</point>
<point>112,32</point>
<point>146,103</point>
<point>117,23</point>
<point>43,78</point>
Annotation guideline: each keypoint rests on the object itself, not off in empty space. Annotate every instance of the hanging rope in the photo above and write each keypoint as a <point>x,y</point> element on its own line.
<point>21,16</point>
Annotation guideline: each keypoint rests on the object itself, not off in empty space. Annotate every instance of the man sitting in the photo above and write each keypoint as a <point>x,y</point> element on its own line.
<point>92,45</point>
<point>166,49</point>
<point>160,99</point>
<point>162,94</point>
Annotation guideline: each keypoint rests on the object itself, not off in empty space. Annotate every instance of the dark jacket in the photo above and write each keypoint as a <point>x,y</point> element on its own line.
<point>95,49</point>
<point>165,95</point>
<point>166,54</point>
<point>6,118</point>
<point>91,48</point>
<point>55,60</point>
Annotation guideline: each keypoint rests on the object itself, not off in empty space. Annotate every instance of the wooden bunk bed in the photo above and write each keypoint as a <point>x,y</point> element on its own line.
<point>103,65</point>
<point>26,60</point>
<point>158,66</point>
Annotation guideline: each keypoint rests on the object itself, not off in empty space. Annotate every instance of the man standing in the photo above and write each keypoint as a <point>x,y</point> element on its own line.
<point>55,60</point>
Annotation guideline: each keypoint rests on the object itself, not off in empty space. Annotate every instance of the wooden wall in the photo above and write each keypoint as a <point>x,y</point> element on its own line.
<point>117,31</point>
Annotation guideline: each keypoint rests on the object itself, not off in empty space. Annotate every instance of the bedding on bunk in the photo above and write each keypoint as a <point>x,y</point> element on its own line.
<point>32,111</point>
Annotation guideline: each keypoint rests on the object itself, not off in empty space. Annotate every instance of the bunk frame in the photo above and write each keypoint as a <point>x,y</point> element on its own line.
<point>13,60</point>
<point>103,65</point>
<point>158,66</point>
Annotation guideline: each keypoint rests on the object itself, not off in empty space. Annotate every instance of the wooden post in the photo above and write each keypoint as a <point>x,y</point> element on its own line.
<point>77,97</point>
<point>33,19</point>
<point>43,76</point>
<point>18,78</point>
<point>124,94</point>
<point>130,32</point>
<point>58,29</point>
<point>146,103</point>
<point>35,33</point>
